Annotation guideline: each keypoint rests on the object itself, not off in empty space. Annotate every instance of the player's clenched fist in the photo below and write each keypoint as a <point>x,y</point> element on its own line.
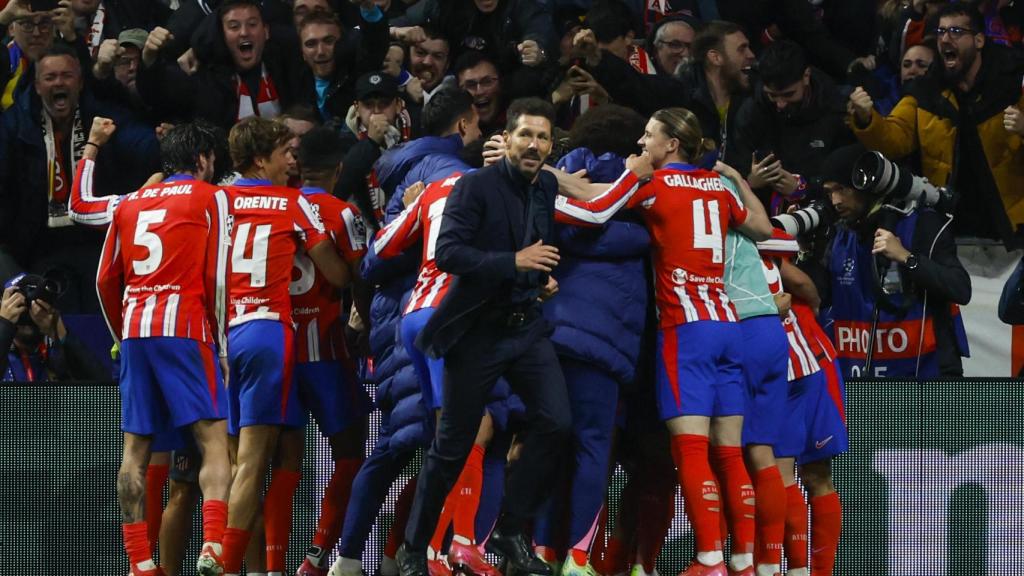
<point>157,41</point>
<point>537,256</point>
<point>860,106</point>
<point>101,131</point>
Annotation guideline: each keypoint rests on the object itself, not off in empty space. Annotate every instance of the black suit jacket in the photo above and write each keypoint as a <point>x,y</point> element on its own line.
<point>484,225</point>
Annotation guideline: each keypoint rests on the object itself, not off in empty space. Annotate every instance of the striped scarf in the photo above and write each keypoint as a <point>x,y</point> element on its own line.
<point>266,105</point>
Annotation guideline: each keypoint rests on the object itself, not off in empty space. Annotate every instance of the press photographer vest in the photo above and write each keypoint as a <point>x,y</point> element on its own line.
<point>898,337</point>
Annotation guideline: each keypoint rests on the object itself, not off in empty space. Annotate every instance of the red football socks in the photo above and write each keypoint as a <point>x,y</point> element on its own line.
<point>771,515</point>
<point>277,515</point>
<point>136,543</point>
<point>235,542</point>
<point>796,527</point>
<point>827,522</point>
<point>739,496</point>
<point>470,484</point>
<point>335,503</point>
<point>215,520</point>
<point>447,513</point>
<point>700,491</point>
<point>156,477</point>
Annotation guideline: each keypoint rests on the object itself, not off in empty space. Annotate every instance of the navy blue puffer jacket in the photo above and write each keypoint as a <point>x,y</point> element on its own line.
<point>600,311</point>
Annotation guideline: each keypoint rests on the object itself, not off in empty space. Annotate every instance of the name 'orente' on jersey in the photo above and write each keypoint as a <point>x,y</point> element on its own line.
<point>316,304</point>
<point>271,224</point>
<point>421,219</point>
<point>687,211</point>
<point>163,267</point>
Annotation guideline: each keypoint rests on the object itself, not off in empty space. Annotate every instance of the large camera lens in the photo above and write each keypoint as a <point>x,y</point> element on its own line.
<point>877,175</point>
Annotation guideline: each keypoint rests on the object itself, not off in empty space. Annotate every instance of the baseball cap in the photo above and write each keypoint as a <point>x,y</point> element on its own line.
<point>376,84</point>
<point>134,37</point>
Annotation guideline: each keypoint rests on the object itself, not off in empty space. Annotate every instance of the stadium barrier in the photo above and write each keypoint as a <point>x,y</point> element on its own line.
<point>933,484</point>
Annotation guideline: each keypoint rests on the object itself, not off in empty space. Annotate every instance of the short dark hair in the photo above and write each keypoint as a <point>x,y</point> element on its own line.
<point>531,106</point>
<point>229,5</point>
<point>182,145</point>
<point>320,17</point>
<point>609,19</point>
<point>255,137</point>
<point>444,109</point>
<point>711,36</point>
<point>303,112</point>
<point>433,32</point>
<point>608,128</point>
<point>320,150</point>
<point>59,49</point>
<point>471,59</point>
<point>964,9</point>
<point>782,63</point>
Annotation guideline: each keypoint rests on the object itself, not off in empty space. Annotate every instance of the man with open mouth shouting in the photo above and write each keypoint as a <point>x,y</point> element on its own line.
<point>961,125</point>
<point>42,136</point>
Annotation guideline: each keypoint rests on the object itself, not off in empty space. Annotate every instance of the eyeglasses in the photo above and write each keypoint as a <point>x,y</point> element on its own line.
<point>30,26</point>
<point>674,45</point>
<point>955,32</point>
<point>486,83</point>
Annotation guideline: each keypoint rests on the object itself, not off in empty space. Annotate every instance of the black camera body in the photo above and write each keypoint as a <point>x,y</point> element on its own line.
<point>34,287</point>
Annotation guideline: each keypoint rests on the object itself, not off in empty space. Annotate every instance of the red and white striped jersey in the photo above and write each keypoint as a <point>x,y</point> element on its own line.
<point>271,225</point>
<point>687,211</point>
<point>421,219</point>
<point>164,262</point>
<point>316,304</point>
<point>802,361</point>
<point>84,207</point>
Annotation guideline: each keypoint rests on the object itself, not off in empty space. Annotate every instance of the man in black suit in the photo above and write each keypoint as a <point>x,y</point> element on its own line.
<point>494,238</point>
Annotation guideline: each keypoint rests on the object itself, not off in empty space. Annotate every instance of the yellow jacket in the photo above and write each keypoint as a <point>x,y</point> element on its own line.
<point>925,121</point>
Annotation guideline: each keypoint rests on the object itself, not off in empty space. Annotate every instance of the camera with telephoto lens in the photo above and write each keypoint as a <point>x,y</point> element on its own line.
<point>898,187</point>
<point>818,212</point>
<point>46,288</point>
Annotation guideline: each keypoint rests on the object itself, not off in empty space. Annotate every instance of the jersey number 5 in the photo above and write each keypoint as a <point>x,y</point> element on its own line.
<point>707,229</point>
<point>149,240</point>
<point>256,265</point>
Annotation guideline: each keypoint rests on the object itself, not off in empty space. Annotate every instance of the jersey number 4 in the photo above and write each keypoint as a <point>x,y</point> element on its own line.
<point>707,229</point>
<point>256,264</point>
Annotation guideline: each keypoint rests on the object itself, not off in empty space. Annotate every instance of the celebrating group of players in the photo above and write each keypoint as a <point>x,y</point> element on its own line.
<point>227,303</point>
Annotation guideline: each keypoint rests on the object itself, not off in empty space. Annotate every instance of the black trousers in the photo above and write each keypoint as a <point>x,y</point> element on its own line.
<point>526,358</point>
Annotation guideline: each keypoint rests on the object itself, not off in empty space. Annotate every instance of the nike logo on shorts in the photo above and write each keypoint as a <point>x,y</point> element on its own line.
<point>821,443</point>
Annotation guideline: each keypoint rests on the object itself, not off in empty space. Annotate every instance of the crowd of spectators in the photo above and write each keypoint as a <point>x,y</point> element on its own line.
<point>778,85</point>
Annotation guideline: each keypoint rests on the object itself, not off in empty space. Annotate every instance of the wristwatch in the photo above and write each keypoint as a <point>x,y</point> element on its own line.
<point>911,263</point>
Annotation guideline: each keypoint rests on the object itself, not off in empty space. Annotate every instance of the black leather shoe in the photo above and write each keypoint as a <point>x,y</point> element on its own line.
<point>516,551</point>
<point>410,562</point>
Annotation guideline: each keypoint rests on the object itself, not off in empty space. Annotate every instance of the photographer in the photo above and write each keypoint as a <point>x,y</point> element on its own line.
<point>897,268</point>
<point>39,347</point>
